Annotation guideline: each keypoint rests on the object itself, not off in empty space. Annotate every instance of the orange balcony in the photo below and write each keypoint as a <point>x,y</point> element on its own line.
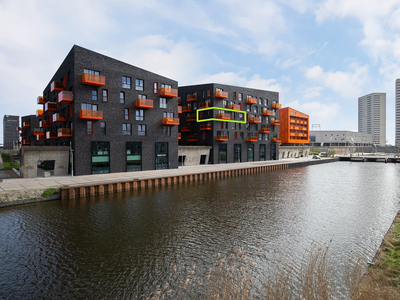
<point>234,106</point>
<point>65,97</point>
<point>276,105</point>
<point>41,100</point>
<point>221,138</point>
<point>26,142</point>
<point>191,138</point>
<point>19,128</point>
<point>251,100</point>
<point>255,120</point>
<point>224,116</point>
<point>275,122</point>
<point>44,124</point>
<point>179,136</point>
<point>276,140</point>
<point>169,93</point>
<point>56,86</point>
<point>92,79</point>
<point>41,137</point>
<point>38,131</point>
<point>40,113</point>
<point>187,108</point>
<point>206,127</point>
<point>91,115</point>
<point>265,130</point>
<point>170,121</point>
<point>51,135</point>
<point>22,134</point>
<point>191,98</point>
<point>26,124</point>
<point>191,118</point>
<point>50,106</point>
<point>186,129</point>
<point>221,94</point>
<point>268,113</point>
<point>179,109</point>
<point>204,104</point>
<point>179,101</point>
<point>19,143</point>
<point>144,103</point>
<point>59,117</point>
<point>64,132</point>
<point>252,139</point>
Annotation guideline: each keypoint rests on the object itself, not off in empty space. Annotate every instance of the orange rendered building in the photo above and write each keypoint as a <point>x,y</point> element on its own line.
<point>294,126</point>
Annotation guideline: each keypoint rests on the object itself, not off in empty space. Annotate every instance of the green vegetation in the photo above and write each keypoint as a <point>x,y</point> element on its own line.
<point>8,163</point>
<point>315,152</point>
<point>50,192</point>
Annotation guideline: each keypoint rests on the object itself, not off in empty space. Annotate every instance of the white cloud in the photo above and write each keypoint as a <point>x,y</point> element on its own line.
<point>312,92</point>
<point>346,84</point>
<point>290,62</point>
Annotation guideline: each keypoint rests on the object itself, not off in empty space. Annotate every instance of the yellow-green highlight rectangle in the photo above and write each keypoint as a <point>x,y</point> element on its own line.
<point>220,108</point>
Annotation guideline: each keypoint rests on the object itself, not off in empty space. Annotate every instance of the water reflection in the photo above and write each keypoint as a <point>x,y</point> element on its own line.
<point>122,245</point>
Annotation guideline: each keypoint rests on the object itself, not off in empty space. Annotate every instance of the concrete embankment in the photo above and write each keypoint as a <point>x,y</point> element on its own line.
<point>89,185</point>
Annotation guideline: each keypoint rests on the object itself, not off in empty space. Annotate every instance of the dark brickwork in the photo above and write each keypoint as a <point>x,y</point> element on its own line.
<point>251,129</point>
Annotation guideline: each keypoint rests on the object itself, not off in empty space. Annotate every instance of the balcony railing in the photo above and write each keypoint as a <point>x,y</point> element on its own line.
<point>93,79</point>
<point>41,137</point>
<point>26,124</point>
<point>91,114</point>
<point>144,103</point>
<point>41,100</point>
<point>51,135</point>
<point>179,109</point>
<point>59,117</point>
<point>275,122</point>
<point>268,113</point>
<point>191,118</point>
<point>265,130</point>
<point>224,116</point>
<point>255,120</point>
<point>43,124</point>
<point>221,94</point>
<point>65,97</point>
<point>168,92</point>
<point>221,138</point>
<point>56,86</point>
<point>276,140</point>
<point>192,138</point>
<point>206,127</point>
<point>170,121</point>
<point>276,105</point>
<point>187,108</point>
<point>64,132</point>
<point>38,131</point>
<point>179,136</point>
<point>186,129</point>
<point>252,139</point>
<point>204,104</point>
<point>50,106</point>
<point>191,98</point>
<point>251,100</point>
<point>40,113</point>
<point>234,106</point>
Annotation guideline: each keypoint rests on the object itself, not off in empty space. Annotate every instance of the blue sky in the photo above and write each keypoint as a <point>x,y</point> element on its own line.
<point>319,55</point>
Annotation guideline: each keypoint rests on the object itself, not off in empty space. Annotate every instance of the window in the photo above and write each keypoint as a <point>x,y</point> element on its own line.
<point>260,101</point>
<point>105,95</point>
<point>260,137</point>
<point>255,109</point>
<point>155,87</point>
<point>262,152</point>
<point>100,157</point>
<point>222,153</point>
<point>208,92</point>
<point>162,156</point>
<point>167,131</point>
<point>89,127</point>
<point>126,129</point>
<point>266,136</point>
<point>142,96</point>
<point>240,96</point>
<point>141,130</point>
<point>91,72</point>
<point>126,114</point>
<point>103,128</point>
<point>236,135</point>
<point>139,115</point>
<point>139,84</point>
<point>94,94</point>
<point>126,82</point>
<point>121,97</point>
<point>168,115</point>
<point>88,106</point>
<point>248,108</point>
<point>242,135</point>
<point>163,102</point>
<point>133,156</point>
<point>203,135</point>
<point>234,95</point>
<point>224,103</point>
<point>265,102</point>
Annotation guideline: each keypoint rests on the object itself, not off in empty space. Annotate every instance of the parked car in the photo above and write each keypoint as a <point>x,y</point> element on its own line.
<point>316,156</point>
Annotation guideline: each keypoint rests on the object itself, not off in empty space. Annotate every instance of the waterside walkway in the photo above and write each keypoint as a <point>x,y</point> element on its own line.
<point>86,185</point>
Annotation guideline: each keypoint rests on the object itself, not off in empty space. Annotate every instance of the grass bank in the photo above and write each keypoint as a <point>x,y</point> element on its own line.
<point>8,163</point>
<point>26,196</point>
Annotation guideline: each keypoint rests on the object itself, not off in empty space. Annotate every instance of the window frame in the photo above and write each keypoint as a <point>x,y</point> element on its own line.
<point>127,83</point>
<point>106,95</point>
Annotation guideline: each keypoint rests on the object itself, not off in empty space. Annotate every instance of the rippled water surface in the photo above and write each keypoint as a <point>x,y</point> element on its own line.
<point>122,245</point>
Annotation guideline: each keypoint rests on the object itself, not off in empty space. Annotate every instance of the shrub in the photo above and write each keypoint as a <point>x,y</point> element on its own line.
<point>49,192</point>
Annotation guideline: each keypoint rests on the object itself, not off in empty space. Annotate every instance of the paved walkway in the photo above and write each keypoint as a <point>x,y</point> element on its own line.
<point>41,182</point>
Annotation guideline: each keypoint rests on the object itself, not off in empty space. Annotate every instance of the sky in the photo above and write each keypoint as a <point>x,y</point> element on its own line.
<point>319,55</point>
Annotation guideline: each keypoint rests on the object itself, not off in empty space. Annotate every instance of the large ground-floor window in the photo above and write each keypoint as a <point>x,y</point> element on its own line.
<point>250,152</point>
<point>262,152</point>
<point>100,157</point>
<point>162,156</point>
<point>133,156</point>
<point>222,153</point>
<point>237,154</point>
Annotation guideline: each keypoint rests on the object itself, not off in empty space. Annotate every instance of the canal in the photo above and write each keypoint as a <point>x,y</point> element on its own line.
<point>123,245</point>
